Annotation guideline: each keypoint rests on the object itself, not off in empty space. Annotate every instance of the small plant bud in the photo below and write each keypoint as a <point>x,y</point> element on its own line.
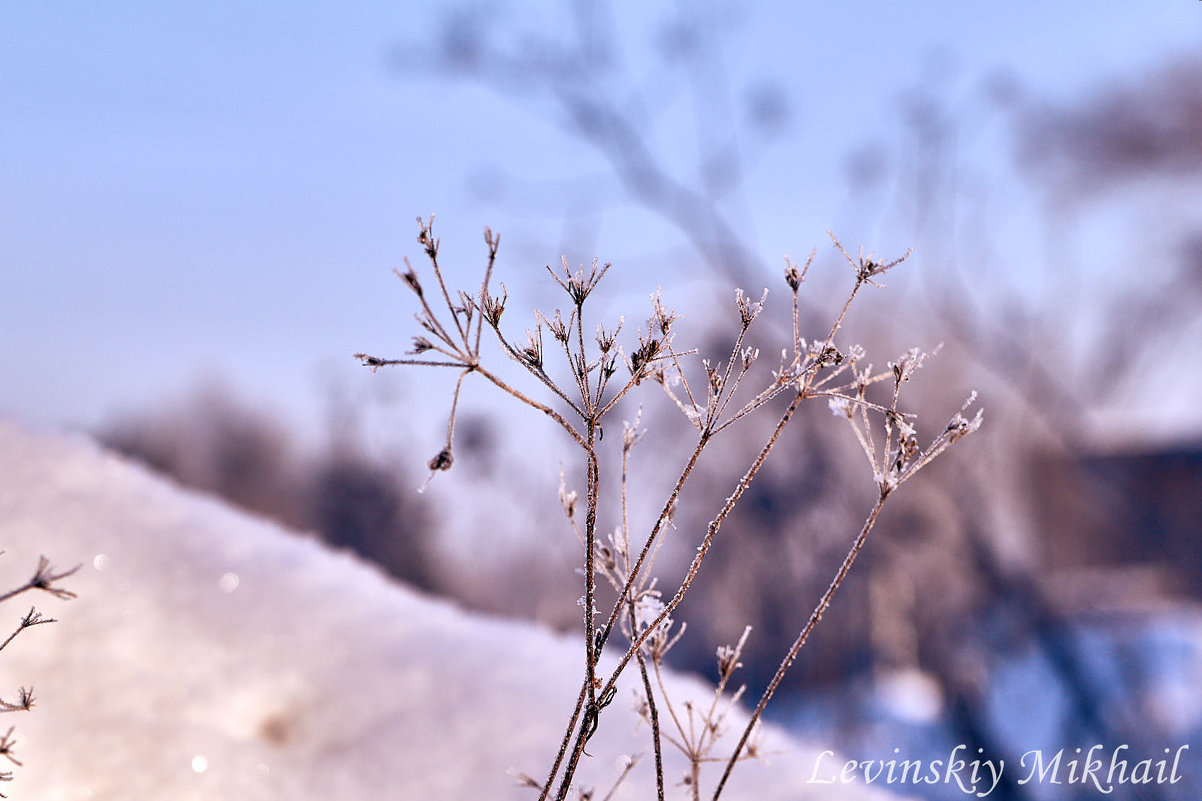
<point>907,365</point>
<point>792,277</point>
<point>466,307</point>
<point>842,407</point>
<point>749,309</point>
<point>558,328</point>
<point>425,236</point>
<point>427,322</point>
<point>607,339</point>
<point>374,362</point>
<point>728,661</point>
<point>608,367</point>
<point>442,461</point>
<point>714,375</point>
<point>640,360</point>
<point>830,357</point>
<point>661,316</point>
<point>410,278</point>
<point>580,366</point>
<point>579,286</point>
<point>493,306</point>
<point>532,353</point>
<point>960,426</point>
<point>605,556</point>
<point>630,432</point>
<point>24,699</point>
<point>492,240</point>
<point>566,499</point>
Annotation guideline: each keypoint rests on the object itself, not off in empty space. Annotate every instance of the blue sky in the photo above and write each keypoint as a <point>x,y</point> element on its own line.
<point>196,192</point>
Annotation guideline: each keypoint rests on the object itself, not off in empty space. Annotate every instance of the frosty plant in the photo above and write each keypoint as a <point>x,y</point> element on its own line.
<point>605,368</point>
<point>44,578</point>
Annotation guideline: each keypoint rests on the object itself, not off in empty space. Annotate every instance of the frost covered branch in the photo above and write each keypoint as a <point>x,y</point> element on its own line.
<point>712,397</point>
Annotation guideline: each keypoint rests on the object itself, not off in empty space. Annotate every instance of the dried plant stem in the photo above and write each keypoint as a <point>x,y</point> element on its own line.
<point>587,700</point>
<point>454,408</point>
<point>661,522</point>
<point>652,709</point>
<point>32,618</point>
<point>702,549</point>
<point>542,407</point>
<point>815,616</point>
<point>577,750</point>
<point>43,579</point>
<point>815,369</point>
<point>653,715</point>
<point>711,531</point>
<point>590,568</point>
<point>493,241</point>
<point>563,745</point>
<point>659,680</point>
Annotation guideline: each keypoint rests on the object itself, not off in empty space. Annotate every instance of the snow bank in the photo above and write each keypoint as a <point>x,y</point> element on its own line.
<point>212,655</point>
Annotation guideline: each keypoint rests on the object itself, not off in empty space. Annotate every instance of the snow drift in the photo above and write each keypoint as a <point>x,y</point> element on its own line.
<point>211,655</point>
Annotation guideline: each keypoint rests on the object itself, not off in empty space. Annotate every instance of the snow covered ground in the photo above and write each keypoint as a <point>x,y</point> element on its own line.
<point>211,655</point>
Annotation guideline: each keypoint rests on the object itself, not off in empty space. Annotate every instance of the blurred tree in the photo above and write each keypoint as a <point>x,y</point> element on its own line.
<point>1092,339</point>
<point>625,98</point>
<point>213,442</point>
<point>349,498</point>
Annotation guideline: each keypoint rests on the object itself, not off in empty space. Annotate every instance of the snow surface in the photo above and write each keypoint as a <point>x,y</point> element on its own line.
<point>213,655</point>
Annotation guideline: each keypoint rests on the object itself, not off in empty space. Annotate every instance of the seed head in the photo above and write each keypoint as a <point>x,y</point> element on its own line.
<point>579,285</point>
<point>646,353</point>
<point>442,460</point>
<point>607,339</point>
<point>558,328</point>
<point>794,277</point>
<point>410,278</point>
<point>425,236</point>
<point>748,308</point>
<point>532,353</point>
<point>661,316</point>
<point>493,306</point>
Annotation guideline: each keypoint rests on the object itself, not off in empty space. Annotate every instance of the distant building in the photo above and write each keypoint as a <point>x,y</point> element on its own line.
<point>1134,513</point>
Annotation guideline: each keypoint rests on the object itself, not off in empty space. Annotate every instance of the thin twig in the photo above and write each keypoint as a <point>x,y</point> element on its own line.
<point>787,662</point>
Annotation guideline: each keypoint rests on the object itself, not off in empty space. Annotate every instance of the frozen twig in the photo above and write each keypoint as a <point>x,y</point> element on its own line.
<point>714,397</point>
